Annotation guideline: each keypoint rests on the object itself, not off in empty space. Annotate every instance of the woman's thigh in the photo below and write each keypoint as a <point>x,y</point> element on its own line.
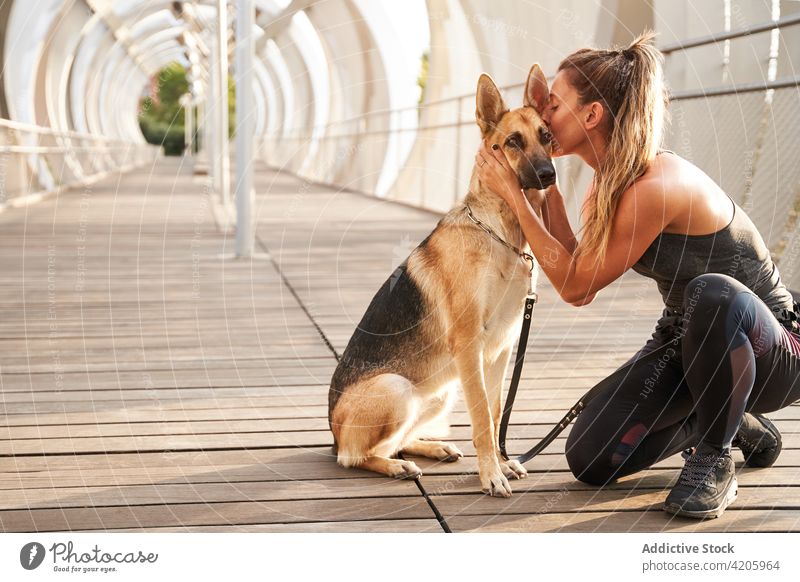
<point>777,382</point>
<point>737,356</point>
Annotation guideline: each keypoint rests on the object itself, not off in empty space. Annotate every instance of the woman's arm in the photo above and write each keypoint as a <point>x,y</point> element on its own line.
<point>640,216</point>
<point>554,215</point>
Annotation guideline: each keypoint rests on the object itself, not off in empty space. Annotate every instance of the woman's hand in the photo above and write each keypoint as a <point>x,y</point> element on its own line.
<point>496,174</point>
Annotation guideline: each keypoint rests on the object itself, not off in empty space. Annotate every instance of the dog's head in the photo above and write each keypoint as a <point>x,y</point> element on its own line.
<point>524,137</point>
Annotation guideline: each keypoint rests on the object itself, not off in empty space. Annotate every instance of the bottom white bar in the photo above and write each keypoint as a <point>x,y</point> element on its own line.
<point>385,557</point>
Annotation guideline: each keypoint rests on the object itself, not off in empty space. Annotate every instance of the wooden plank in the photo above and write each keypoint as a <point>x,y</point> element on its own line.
<point>174,493</point>
<point>141,415</point>
<point>202,514</point>
<point>580,501</point>
<point>286,471</point>
<point>366,526</point>
<point>167,458</point>
<point>734,520</point>
<point>783,478</point>
<point>549,461</point>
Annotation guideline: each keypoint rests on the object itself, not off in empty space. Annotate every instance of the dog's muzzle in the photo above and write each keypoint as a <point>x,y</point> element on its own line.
<point>539,175</point>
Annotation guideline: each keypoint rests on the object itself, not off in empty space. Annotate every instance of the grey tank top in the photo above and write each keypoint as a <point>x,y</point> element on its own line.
<point>738,250</point>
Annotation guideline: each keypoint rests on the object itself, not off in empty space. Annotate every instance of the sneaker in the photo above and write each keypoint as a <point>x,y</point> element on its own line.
<point>759,440</point>
<point>706,486</point>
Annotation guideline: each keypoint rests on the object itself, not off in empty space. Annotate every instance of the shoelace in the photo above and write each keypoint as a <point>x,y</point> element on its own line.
<point>743,442</point>
<point>754,447</point>
<point>698,468</point>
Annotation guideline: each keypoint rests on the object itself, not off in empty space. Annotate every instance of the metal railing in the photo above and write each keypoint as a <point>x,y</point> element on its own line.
<point>767,26</point>
<point>36,160</point>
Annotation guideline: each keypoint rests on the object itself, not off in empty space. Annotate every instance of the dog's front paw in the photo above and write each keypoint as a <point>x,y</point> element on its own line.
<point>514,470</point>
<point>494,483</point>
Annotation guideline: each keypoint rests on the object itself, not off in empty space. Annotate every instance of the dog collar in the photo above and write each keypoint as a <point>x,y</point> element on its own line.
<point>522,254</point>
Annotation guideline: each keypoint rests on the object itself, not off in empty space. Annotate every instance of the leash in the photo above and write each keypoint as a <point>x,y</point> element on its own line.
<point>519,361</point>
<point>571,415</point>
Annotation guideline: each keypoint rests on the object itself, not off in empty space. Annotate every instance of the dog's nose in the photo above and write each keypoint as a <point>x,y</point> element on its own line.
<point>547,174</point>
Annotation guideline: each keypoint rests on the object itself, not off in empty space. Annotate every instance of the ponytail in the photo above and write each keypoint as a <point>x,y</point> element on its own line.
<point>629,83</point>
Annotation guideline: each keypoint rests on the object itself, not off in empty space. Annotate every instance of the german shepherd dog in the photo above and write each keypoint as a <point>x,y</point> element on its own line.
<point>448,315</point>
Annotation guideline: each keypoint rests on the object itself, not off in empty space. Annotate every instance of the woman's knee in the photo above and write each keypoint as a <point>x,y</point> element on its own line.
<point>707,298</point>
<point>709,289</point>
<point>586,455</point>
<point>584,468</point>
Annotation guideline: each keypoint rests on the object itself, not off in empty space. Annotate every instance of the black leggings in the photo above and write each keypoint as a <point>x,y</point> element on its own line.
<point>690,384</point>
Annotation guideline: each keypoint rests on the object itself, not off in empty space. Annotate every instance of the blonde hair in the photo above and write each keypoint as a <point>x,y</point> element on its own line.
<point>629,83</point>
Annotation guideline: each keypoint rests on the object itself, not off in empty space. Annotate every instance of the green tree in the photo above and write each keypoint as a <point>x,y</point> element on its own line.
<point>161,116</point>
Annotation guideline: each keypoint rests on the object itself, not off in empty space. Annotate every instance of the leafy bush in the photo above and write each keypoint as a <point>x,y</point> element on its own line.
<point>161,115</point>
<point>170,137</point>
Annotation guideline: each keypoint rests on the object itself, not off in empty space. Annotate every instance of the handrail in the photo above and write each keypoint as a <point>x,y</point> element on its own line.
<point>735,90</point>
<point>677,96</point>
<point>738,33</point>
<point>31,128</point>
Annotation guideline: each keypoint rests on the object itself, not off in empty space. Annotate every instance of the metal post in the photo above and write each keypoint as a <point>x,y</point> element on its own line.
<point>221,104</point>
<point>245,121</point>
<point>188,124</point>
<point>212,104</point>
<point>200,132</point>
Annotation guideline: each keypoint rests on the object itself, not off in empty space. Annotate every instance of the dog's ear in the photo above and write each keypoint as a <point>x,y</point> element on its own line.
<point>536,92</point>
<point>490,106</point>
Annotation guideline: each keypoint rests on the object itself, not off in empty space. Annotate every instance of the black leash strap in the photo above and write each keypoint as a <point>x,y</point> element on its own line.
<point>527,316</point>
<point>512,393</point>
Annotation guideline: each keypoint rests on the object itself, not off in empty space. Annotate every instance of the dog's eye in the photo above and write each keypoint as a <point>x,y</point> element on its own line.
<point>514,142</point>
<point>547,137</point>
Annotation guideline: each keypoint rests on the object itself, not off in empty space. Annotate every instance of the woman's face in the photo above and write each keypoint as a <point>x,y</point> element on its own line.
<point>563,115</point>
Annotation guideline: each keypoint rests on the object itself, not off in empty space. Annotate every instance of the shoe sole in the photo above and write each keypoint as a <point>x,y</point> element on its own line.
<point>676,509</point>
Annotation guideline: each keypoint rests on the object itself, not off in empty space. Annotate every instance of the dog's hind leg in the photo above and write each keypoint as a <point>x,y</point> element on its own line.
<point>372,420</point>
<point>439,450</point>
<point>433,422</point>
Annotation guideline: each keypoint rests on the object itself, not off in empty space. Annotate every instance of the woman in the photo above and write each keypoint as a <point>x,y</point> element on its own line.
<point>722,352</point>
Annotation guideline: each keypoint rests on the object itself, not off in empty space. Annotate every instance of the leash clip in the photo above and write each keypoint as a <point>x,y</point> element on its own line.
<point>528,257</point>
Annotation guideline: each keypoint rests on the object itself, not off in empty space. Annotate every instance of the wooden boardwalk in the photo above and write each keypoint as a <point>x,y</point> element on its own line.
<point>151,383</point>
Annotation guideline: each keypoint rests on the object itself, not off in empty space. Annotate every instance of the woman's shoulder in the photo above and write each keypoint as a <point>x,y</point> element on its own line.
<point>695,203</point>
<point>645,196</point>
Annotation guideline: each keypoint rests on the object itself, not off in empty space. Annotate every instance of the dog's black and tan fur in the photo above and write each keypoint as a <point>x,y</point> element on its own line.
<point>448,315</point>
